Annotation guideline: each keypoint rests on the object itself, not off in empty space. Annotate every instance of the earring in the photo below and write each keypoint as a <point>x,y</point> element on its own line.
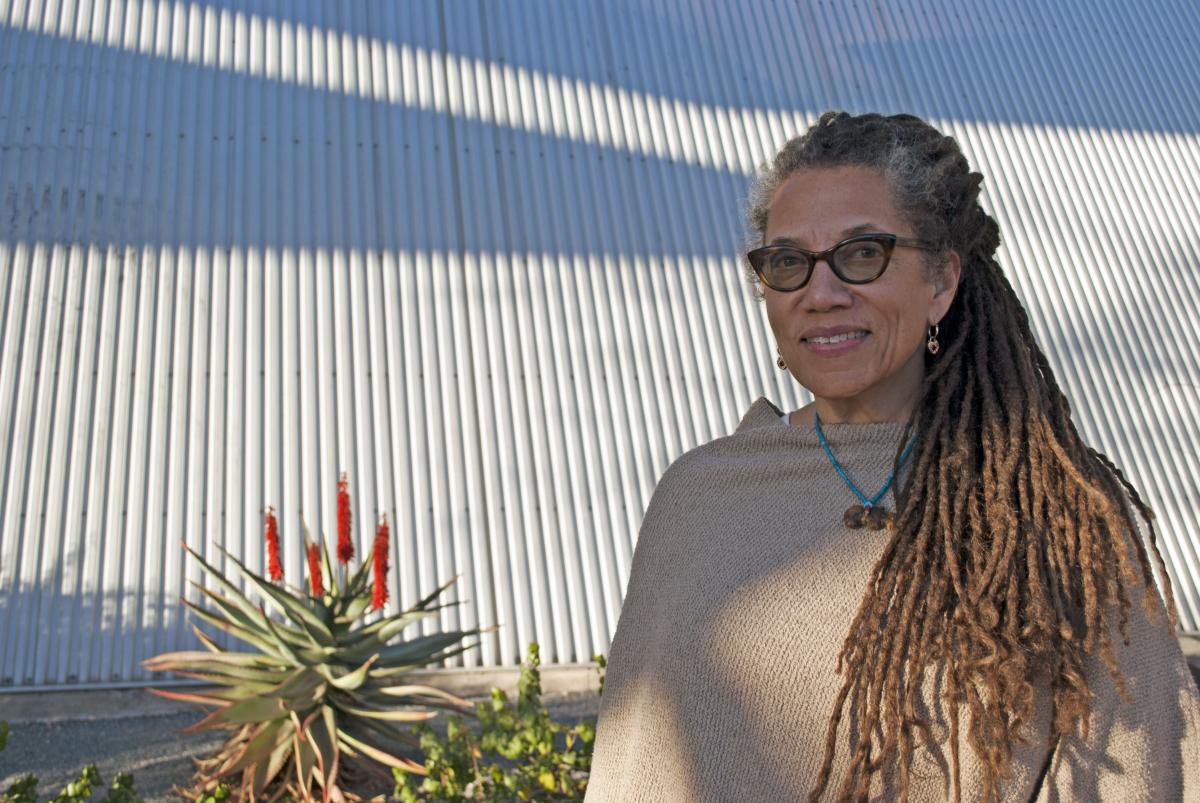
<point>932,343</point>
<point>779,361</point>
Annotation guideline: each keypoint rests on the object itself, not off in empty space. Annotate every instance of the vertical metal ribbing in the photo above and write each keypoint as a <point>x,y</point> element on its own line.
<point>581,397</point>
<point>610,281</point>
<point>446,281</point>
<point>18,359</point>
<point>537,359</point>
<point>1047,159</point>
<point>487,262</point>
<point>57,557</point>
<point>1136,287</point>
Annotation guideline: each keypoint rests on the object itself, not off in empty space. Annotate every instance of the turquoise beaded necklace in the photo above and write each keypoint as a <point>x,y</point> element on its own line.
<point>870,513</point>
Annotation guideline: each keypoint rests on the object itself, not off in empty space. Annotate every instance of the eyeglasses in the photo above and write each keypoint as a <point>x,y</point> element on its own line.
<point>855,260</point>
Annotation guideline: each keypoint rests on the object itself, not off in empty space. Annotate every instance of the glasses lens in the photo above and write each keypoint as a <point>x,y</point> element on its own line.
<point>784,268</point>
<point>862,260</point>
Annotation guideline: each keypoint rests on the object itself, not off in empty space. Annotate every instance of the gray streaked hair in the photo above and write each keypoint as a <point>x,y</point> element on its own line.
<point>932,184</point>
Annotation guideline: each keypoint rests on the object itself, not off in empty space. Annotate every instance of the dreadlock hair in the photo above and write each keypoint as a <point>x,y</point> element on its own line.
<point>1015,545</point>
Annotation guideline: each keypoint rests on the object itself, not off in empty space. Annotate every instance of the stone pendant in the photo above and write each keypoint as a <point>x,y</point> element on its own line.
<point>873,518</point>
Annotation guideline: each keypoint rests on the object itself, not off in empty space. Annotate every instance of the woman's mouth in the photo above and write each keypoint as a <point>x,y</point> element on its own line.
<point>835,344</point>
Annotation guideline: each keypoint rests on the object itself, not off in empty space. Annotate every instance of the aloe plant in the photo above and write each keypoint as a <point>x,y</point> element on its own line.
<point>319,704</point>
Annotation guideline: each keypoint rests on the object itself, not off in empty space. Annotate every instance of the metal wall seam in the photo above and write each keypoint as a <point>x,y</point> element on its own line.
<point>498,373</point>
<point>606,579</point>
<point>17,479</point>
<point>496,272</point>
<point>593,544</point>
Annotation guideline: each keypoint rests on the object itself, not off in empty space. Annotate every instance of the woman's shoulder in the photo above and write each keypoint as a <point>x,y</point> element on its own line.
<point>762,413</point>
<point>762,448</point>
<point>759,426</point>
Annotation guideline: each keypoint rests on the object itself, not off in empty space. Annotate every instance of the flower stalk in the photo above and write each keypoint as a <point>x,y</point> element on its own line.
<point>274,565</point>
<point>345,542</point>
<point>379,565</point>
<point>315,580</point>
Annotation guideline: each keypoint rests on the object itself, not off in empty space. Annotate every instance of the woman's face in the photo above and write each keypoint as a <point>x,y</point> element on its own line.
<point>876,373</point>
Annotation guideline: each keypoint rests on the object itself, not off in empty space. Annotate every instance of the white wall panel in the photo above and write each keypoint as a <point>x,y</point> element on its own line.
<point>484,258</point>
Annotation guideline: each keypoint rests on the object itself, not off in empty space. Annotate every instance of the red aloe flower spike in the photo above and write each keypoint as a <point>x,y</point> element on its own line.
<point>379,593</point>
<point>345,545</point>
<point>274,566</point>
<point>315,578</point>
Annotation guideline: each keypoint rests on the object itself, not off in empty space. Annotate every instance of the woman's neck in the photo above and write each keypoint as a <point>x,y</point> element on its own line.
<point>855,411</point>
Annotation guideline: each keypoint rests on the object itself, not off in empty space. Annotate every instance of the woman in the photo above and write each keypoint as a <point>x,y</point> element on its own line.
<point>921,586</point>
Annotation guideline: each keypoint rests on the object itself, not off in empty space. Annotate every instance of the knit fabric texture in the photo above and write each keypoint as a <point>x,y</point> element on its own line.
<point>722,674</point>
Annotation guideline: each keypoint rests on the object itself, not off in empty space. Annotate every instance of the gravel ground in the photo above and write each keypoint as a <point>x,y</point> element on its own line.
<point>151,747</point>
<point>131,731</point>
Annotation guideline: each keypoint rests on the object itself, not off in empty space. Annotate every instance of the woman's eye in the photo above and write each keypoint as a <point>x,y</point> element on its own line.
<point>786,261</point>
<point>860,253</point>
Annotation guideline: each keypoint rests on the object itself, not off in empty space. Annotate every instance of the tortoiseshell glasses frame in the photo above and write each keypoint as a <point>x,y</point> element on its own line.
<point>856,260</point>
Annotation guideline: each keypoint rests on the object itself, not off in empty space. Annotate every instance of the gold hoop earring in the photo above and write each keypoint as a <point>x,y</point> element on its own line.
<point>932,343</point>
<point>779,361</point>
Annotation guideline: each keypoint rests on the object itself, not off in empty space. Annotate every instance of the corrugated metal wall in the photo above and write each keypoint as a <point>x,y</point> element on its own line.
<point>484,258</point>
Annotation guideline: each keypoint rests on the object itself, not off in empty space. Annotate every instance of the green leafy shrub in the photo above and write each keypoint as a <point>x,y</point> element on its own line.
<point>77,791</point>
<point>221,792</point>
<point>316,709</point>
<point>516,752</point>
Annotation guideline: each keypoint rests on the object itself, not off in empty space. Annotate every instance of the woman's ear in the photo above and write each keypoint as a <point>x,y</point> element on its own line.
<point>945,286</point>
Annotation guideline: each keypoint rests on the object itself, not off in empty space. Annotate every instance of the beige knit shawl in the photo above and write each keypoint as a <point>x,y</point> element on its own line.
<point>722,672</point>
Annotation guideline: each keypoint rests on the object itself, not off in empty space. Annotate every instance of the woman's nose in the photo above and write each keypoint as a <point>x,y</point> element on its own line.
<point>825,290</point>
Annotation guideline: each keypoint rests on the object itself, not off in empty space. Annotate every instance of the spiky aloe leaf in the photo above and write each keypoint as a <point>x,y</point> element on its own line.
<point>289,654</point>
<point>371,631</point>
<point>321,729</point>
<point>224,674</point>
<point>208,643</point>
<point>268,766</point>
<point>306,761</point>
<point>357,584</point>
<point>251,710</point>
<point>257,622</point>
<point>392,732</point>
<point>333,590</point>
<point>421,649</point>
<point>268,736</point>
<point>378,634</point>
<point>300,682</point>
<point>248,681</point>
<point>240,600</point>
<point>350,680</point>
<point>169,660</point>
<point>389,715</point>
<point>293,608</point>
<point>422,693</point>
<point>306,653</point>
<point>188,697</point>
<point>232,691</point>
<point>425,602</point>
<point>255,639</point>
<point>348,611</point>
<point>400,669</point>
<point>212,768</point>
<point>307,701</point>
<point>349,743</point>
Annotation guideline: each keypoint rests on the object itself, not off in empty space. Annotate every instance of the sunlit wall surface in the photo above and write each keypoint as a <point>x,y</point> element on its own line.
<point>484,257</point>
